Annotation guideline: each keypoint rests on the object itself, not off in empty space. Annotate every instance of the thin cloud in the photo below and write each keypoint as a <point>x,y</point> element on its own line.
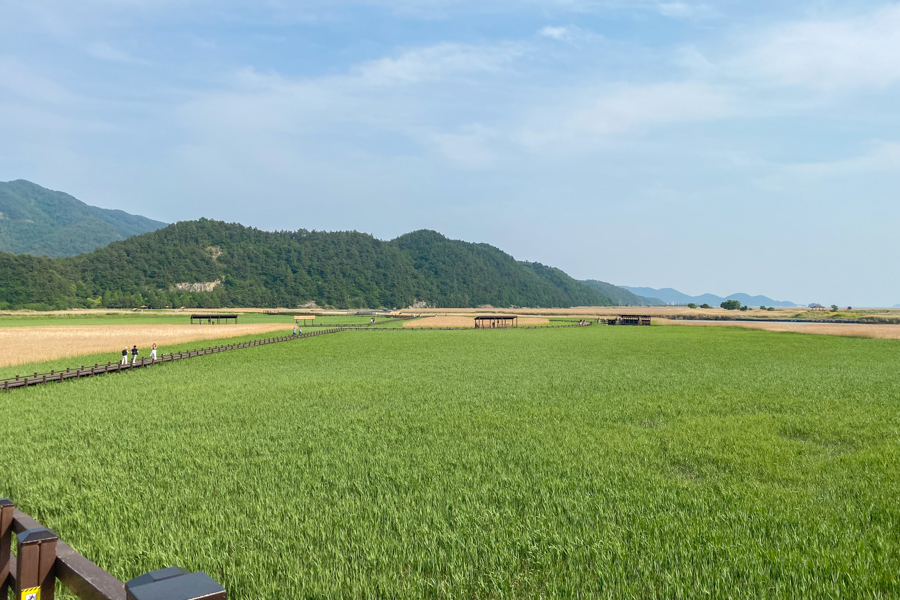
<point>883,157</point>
<point>569,34</point>
<point>104,51</point>
<point>863,51</point>
<point>684,10</point>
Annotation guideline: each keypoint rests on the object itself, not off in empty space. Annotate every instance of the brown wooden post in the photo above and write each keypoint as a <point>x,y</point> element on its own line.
<point>6,516</point>
<point>35,564</point>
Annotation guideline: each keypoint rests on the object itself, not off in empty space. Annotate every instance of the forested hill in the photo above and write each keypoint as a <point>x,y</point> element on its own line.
<point>42,222</point>
<point>210,264</point>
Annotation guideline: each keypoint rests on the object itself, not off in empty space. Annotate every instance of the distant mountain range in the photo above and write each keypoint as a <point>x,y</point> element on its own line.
<point>621,296</point>
<point>671,296</point>
<point>41,222</point>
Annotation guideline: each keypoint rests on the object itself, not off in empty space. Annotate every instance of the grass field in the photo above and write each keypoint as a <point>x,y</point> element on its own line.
<point>644,462</point>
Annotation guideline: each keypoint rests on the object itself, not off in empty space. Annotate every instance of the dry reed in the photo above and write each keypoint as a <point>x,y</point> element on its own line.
<point>469,322</point>
<point>20,345</point>
<point>843,329</point>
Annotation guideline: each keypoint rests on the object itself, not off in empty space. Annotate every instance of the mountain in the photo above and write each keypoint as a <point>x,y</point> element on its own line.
<point>620,296</point>
<point>41,222</point>
<point>671,296</point>
<point>208,263</point>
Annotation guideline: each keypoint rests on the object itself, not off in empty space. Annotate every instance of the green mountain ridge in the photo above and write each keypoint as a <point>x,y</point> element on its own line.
<point>42,222</point>
<point>211,264</point>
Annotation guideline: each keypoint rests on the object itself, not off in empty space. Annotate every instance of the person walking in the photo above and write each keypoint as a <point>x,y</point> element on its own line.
<point>125,356</point>
<point>134,353</point>
<point>153,352</point>
<point>295,331</point>
<point>301,331</point>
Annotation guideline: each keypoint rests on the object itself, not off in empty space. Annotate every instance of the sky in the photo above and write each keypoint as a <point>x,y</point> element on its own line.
<point>721,146</point>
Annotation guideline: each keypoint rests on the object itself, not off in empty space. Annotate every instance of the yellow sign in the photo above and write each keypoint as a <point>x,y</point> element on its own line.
<point>31,594</point>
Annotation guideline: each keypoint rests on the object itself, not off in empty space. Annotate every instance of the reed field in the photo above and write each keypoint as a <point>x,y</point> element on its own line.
<point>464,322</point>
<point>22,345</point>
<point>865,330</point>
<point>587,462</point>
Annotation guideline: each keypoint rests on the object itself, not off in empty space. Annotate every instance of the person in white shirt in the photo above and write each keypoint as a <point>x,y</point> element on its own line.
<point>153,352</point>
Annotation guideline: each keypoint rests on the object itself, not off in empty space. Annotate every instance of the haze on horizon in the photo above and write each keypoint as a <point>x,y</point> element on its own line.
<point>721,146</point>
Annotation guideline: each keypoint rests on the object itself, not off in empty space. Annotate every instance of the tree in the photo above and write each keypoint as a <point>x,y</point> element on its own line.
<point>731,305</point>
<point>762,307</point>
<point>691,305</point>
<point>834,308</point>
<point>745,308</point>
<point>705,305</point>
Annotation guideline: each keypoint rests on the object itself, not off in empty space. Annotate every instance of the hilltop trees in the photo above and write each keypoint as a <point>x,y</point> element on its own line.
<point>208,264</point>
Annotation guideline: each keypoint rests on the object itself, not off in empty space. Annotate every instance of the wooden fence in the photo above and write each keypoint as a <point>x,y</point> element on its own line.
<point>110,367</point>
<point>41,558</point>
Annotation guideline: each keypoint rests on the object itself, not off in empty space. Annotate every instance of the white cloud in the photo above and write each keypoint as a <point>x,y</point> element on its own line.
<point>433,63</point>
<point>640,106</point>
<point>556,33</point>
<point>569,33</point>
<point>104,51</point>
<point>863,51</point>
<point>684,10</point>
<point>614,111</point>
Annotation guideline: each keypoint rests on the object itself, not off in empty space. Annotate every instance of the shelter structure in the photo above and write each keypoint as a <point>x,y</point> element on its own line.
<point>218,317</point>
<point>304,319</point>
<point>496,322</point>
<point>631,320</point>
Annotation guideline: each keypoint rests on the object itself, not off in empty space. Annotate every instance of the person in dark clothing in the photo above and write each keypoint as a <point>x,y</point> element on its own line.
<point>125,356</point>
<point>134,353</point>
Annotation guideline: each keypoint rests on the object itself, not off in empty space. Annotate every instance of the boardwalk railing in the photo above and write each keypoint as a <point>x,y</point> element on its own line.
<point>111,367</point>
<point>41,558</point>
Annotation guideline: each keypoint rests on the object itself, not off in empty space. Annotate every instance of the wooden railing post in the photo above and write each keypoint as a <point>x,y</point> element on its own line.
<point>35,564</point>
<point>6,517</point>
<point>174,583</point>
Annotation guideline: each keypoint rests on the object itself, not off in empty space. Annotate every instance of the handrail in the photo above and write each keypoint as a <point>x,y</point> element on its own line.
<point>42,558</point>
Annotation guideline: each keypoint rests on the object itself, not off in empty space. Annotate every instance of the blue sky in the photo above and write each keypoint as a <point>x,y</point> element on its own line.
<point>718,146</point>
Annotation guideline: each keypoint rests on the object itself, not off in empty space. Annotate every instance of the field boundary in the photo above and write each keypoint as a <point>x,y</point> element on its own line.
<point>98,369</point>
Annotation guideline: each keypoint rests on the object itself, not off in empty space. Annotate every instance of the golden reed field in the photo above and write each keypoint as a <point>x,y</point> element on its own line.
<point>865,330</point>
<point>20,345</point>
<point>450,321</point>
